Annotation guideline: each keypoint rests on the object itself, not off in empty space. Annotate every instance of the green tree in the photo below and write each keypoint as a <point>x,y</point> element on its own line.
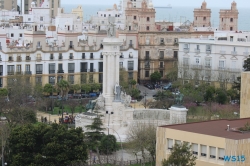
<point>48,88</point>
<point>94,135</point>
<point>172,76</point>
<point>75,87</point>
<point>156,76</point>
<point>3,92</point>
<point>46,145</point>
<point>95,86</point>
<point>181,155</point>
<point>221,97</point>
<point>108,144</point>
<point>209,94</point>
<point>64,87</point>
<point>86,88</point>
<point>135,93</point>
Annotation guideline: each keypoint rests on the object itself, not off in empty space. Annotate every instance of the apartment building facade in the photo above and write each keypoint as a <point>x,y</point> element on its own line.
<point>8,5</point>
<point>217,60</point>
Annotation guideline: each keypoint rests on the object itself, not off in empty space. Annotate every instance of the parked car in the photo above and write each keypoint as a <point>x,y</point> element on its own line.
<point>70,96</point>
<point>168,86</point>
<point>77,96</point>
<point>85,95</point>
<point>92,95</point>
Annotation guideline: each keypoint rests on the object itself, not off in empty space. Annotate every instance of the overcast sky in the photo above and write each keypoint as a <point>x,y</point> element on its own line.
<point>193,3</point>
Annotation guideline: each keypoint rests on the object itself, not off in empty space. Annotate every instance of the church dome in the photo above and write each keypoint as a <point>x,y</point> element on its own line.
<point>150,4</point>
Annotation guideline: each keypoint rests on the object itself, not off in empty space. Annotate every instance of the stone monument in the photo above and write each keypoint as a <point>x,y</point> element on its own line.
<point>178,113</point>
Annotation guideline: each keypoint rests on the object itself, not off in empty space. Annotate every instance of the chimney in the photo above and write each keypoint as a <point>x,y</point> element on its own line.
<point>228,127</point>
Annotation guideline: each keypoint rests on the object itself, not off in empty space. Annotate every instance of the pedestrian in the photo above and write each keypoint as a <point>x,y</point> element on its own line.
<point>94,160</point>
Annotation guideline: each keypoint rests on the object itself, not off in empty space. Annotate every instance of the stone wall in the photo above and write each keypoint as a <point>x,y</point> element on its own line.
<point>245,95</point>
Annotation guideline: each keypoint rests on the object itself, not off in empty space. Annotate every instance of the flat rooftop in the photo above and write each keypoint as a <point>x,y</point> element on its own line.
<point>217,128</point>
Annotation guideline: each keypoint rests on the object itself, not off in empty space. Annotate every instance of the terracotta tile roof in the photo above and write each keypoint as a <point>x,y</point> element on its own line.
<point>216,128</point>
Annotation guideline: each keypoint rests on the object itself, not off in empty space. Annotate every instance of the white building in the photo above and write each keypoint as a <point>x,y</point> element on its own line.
<point>217,60</point>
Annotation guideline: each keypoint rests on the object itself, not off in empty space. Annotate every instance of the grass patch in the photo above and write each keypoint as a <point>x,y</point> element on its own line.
<point>66,108</point>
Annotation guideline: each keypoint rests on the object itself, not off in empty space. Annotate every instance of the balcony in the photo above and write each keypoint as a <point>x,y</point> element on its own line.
<point>84,70</point>
<point>39,72</point>
<point>122,56</point>
<point>234,53</point>
<point>19,73</point>
<point>147,66</point>
<point>0,59</point>
<point>38,58</point>
<point>147,58</point>
<point>221,68</point>
<point>71,82</point>
<point>197,51</point>
<point>10,72</point>
<point>234,70</point>
<point>208,67</point>
<point>161,57</point>
<point>38,47</point>
<point>60,71</point>
<point>10,59</point>
<point>28,72</point>
<point>71,57</point>
<point>52,71</point>
<point>222,52</point>
<point>186,50</point>
<point>19,59</point>
<point>51,58</point>
<point>208,51</point>
<point>100,70</point>
<point>131,45</point>
<point>28,58</point>
<point>131,68</point>
<point>197,66</point>
<point>246,53</point>
<point>71,46</point>
<point>71,71</point>
<point>161,66</point>
<point>91,70</point>
<point>60,57</point>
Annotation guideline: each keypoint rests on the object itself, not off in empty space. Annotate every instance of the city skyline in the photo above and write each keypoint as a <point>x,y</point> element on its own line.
<point>196,3</point>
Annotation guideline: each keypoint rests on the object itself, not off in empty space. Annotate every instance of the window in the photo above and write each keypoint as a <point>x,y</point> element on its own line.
<point>91,78</point>
<point>161,72</point>
<point>18,69</point>
<point>10,69</point>
<point>203,150</point>
<point>146,73</point>
<point>1,70</point>
<point>60,56</point>
<point>221,153</point>
<point>29,19</point>
<point>147,54</point>
<point>130,75</point>
<point>38,80</point>
<point>162,40</point>
<point>175,54</point>
<point>204,18</point>
<point>71,56</point>
<point>104,15</point>
<point>71,79</point>
<point>52,80</point>
<point>52,68</point>
<point>212,152</point>
<point>161,54</point>
<point>134,17</point>
<point>51,56</point>
<point>231,28</point>
<point>100,66</point>
<point>233,64</point>
<point>186,46</point>
<point>41,18</point>
<point>170,143</point>
<point>148,19</point>
<point>71,68</point>
<point>12,35</point>
<point>208,63</point>
<point>83,55</point>
<point>83,78</point>
<point>197,61</point>
<point>100,78</point>
<point>222,19</point>
<point>91,67</point>
<point>147,28</point>
<point>221,64</point>
<point>91,55</point>
<point>197,47</point>
<point>39,69</point>
<point>130,65</point>
<point>60,68</point>
<point>195,149</point>
<point>121,65</point>
<point>20,35</point>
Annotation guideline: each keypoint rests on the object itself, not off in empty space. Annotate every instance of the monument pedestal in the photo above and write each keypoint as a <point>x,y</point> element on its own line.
<point>178,114</point>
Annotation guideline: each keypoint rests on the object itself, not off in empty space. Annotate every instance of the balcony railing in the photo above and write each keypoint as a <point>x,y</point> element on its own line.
<point>71,57</point>
<point>39,72</point>
<point>38,58</point>
<point>10,72</point>
<point>100,70</point>
<point>121,56</point>
<point>38,47</point>
<point>130,68</point>
<point>28,72</point>
<point>91,70</point>
<point>208,51</point>
<point>186,50</point>
<point>19,73</point>
<point>18,59</point>
<point>71,71</point>
<point>196,66</point>
<point>60,71</point>
<point>28,58</point>
<point>131,45</point>
<point>10,59</point>
<point>197,51</point>
<point>84,70</point>
<point>221,68</point>
<point>147,66</point>
<point>208,67</point>
<point>234,52</point>
<point>71,46</point>
<point>222,52</point>
<point>60,57</point>
<point>161,66</point>
<point>161,57</point>
<point>52,71</point>
<point>147,58</point>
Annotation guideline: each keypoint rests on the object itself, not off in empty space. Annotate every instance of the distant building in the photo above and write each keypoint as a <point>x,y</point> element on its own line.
<point>202,16</point>
<point>214,143</point>
<point>78,11</point>
<point>229,18</point>
<point>215,60</point>
<point>8,4</point>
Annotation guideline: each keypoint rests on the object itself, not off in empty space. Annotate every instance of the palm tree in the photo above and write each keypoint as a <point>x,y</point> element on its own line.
<point>64,87</point>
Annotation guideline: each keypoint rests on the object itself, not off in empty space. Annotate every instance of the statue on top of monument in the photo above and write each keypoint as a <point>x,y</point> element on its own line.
<point>117,92</point>
<point>111,27</point>
<point>179,99</point>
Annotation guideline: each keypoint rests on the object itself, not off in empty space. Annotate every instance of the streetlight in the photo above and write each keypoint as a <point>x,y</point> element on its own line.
<point>52,78</point>
<point>145,101</point>
<point>120,141</point>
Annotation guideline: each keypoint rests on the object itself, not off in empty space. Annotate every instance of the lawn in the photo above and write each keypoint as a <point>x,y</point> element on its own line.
<point>66,108</point>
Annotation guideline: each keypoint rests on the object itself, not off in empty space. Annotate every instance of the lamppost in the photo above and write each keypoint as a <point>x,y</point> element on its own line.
<point>108,113</point>
<point>52,91</point>
<point>120,141</point>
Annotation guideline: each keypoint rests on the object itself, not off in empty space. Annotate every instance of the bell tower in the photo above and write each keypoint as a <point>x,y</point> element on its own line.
<point>229,18</point>
<point>202,16</point>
